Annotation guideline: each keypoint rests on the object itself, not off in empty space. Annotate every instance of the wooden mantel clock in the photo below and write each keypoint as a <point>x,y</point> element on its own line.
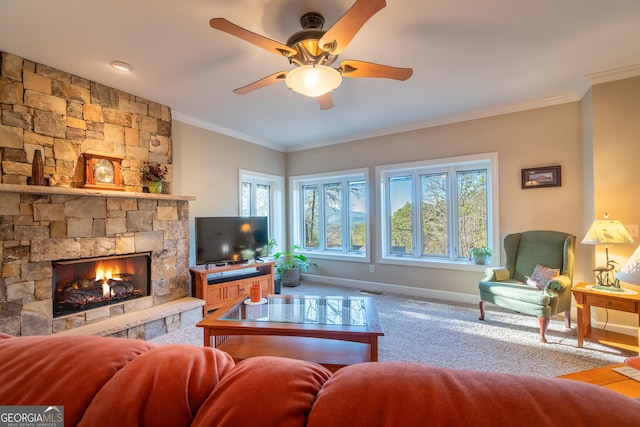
<point>102,172</point>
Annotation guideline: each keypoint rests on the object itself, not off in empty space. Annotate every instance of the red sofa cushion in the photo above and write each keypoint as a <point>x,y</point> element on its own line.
<point>404,394</point>
<point>264,391</point>
<point>41,370</point>
<point>163,387</point>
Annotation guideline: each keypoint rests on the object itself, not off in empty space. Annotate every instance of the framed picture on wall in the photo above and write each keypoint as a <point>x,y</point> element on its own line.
<point>546,176</point>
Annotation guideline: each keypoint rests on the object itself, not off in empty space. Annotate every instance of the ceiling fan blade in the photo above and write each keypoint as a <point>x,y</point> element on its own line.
<point>336,39</point>
<point>256,39</point>
<point>265,81</point>
<point>325,101</point>
<point>351,68</point>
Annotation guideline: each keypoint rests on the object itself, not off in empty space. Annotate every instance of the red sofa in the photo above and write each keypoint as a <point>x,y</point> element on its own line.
<point>116,381</point>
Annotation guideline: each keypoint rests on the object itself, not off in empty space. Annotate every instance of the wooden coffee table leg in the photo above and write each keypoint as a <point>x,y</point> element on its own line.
<point>373,344</point>
<point>207,337</point>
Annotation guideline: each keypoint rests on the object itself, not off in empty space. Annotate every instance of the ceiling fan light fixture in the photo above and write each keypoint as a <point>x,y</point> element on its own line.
<point>313,80</point>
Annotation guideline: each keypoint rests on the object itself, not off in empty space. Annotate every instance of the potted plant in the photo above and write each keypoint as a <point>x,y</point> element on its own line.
<point>480,254</point>
<point>154,173</point>
<point>270,245</point>
<point>289,265</point>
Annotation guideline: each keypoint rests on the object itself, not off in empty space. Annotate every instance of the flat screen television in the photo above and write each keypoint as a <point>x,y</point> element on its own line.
<point>231,239</point>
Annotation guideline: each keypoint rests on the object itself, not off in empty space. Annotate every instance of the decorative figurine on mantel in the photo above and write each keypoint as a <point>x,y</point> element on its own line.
<point>37,169</point>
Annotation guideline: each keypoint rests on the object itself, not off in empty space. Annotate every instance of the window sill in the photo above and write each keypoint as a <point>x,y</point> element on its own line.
<point>335,256</point>
<point>432,263</point>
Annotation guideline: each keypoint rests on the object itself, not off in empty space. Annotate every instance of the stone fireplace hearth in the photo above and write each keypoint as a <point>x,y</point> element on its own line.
<point>43,225</point>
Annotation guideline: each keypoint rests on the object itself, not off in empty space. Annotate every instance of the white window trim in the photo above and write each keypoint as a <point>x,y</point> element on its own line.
<point>493,232</point>
<point>296,212</point>
<point>277,202</point>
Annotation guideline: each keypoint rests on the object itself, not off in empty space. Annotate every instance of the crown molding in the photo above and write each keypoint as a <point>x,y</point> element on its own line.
<point>615,74</point>
<point>445,120</point>
<point>186,118</point>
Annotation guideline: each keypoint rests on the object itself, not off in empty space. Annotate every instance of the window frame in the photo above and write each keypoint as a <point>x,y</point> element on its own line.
<point>276,202</point>
<point>296,197</point>
<point>452,165</point>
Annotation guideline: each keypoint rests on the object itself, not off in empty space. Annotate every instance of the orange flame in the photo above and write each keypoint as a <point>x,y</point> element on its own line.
<point>104,275</point>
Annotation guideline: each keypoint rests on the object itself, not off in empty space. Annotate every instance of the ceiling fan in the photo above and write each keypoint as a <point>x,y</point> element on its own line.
<point>311,51</point>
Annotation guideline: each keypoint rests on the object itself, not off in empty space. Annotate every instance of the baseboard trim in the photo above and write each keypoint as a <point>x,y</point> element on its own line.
<point>614,327</point>
<point>394,289</point>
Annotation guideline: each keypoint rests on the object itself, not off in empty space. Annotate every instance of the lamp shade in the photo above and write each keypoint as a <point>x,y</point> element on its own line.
<point>630,272</point>
<point>607,232</point>
<point>313,80</point>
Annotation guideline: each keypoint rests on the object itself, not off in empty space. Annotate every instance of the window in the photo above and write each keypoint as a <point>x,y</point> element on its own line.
<point>329,214</point>
<point>435,211</point>
<point>262,195</point>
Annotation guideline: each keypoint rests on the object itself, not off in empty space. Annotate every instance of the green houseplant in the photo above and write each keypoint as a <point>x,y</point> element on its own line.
<point>480,254</point>
<point>270,245</point>
<point>290,264</point>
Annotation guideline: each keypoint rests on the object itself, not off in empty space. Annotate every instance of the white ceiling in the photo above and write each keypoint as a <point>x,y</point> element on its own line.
<point>470,58</point>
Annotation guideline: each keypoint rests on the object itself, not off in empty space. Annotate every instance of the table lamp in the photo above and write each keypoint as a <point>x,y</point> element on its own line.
<point>607,232</point>
<point>630,273</point>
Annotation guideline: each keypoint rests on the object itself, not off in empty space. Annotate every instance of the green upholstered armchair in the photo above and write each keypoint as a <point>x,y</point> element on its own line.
<point>507,286</point>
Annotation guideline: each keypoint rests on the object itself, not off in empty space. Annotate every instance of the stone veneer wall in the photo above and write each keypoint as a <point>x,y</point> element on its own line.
<point>36,229</point>
<point>63,115</point>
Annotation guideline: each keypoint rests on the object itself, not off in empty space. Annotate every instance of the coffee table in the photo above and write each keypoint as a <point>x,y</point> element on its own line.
<point>331,331</point>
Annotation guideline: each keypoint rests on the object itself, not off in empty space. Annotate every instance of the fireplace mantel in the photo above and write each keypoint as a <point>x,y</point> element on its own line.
<point>70,191</point>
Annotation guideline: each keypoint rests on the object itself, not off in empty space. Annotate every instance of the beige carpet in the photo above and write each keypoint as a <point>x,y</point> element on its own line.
<point>449,334</point>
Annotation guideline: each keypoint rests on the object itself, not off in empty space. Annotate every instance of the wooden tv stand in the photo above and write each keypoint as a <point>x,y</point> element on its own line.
<point>223,285</point>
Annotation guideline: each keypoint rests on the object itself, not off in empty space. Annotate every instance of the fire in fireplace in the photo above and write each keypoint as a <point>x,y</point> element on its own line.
<point>85,284</point>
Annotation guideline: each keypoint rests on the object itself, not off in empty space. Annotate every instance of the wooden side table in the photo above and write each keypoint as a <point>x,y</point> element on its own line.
<point>587,297</point>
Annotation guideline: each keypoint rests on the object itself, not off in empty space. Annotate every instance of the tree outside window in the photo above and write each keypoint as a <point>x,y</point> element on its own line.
<point>472,209</point>
<point>447,214</point>
<point>332,212</point>
<point>311,217</point>
<point>435,214</point>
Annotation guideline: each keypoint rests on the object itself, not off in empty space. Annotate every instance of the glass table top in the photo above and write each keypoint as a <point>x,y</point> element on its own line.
<point>347,311</point>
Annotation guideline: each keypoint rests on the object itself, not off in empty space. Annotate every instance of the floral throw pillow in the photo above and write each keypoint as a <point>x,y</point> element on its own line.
<point>541,275</point>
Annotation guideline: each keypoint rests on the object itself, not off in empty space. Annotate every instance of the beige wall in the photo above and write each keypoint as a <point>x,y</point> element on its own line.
<point>585,138</point>
<point>588,214</point>
<point>209,170</point>
<point>615,143</point>
<point>540,137</point>
<point>611,149</point>
<point>616,152</point>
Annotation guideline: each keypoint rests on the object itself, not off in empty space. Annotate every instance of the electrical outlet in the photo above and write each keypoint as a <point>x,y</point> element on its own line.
<point>372,268</point>
<point>633,230</point>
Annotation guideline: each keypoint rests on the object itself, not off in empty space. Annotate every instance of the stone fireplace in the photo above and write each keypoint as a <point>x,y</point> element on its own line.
<point>62,116</point>
<point>49,233</point>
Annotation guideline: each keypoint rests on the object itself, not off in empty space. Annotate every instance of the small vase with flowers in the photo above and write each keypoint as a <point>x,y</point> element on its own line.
<point>154,173</point>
